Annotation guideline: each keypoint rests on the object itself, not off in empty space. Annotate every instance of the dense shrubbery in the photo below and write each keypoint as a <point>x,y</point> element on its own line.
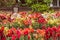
<point>35,5</point>
<point>7,3</point>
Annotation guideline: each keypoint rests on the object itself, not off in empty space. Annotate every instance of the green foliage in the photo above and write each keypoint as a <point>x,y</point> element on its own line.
<point>40,7</point>
<point>10,3</point>
<point>36,25</point>
<point>47,1</point>
<point>26,37</point>
<point>51,11</point>
<point>21,38</point>
<point>35,5</point>
<point>32,36</point>
<point>7,3</point>
<point>15,24</point>
<point>8,38</point>
<point>7,25</point>
<point>29,2</point>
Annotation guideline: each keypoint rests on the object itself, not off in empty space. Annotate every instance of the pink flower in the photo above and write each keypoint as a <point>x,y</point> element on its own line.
<point>41,20</point>
<point>58,32</point>
<point>28,37</point>
<point>26,31</point>
<point>50,31</point>
<point>54,29</point>
<point>13,37</point>
<point>3,38</point>
<point>14,30</point>
<point>18,33</point>
<point>30,16</point>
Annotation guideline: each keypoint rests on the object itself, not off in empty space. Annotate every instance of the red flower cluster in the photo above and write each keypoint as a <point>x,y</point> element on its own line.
<point>27,22</point>
<point>53,33</point>
<point>14,33</point>
<point>35,15</point>
<point>2,36</point>
<point>26,31</point>
<point>2,16</point>
<point>42,21</point>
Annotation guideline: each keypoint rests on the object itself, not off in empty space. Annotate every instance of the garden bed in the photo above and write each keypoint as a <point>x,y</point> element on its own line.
<point>31,20</point>
<point>30,26</point>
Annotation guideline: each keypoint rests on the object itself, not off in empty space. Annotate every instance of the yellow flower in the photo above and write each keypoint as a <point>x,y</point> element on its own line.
<point>30,26</point>
<point>6,30</point>
<point>51,21</point>
<point>33,21</point>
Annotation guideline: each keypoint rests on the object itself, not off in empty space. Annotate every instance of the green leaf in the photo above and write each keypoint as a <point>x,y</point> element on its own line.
<point>21,38</point>
<point>26,37</point>
<point>15,24</point>
<point>35,25</point>
<point>32,37</point>
<point>40,7</point>
<point>8,38</point>
<point>47,1</point>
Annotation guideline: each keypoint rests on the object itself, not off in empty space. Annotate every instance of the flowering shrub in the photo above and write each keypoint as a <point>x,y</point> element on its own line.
<point>32,20</point>
<point>29,34</point>
<point>32,26</point>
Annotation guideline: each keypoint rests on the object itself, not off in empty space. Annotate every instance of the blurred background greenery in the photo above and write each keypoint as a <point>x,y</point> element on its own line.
<point>35,5</point>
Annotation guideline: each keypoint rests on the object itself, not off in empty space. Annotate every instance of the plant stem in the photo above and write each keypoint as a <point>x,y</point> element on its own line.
<point>25,37</point>
<point>32,38</point>
<point>21,38</point>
